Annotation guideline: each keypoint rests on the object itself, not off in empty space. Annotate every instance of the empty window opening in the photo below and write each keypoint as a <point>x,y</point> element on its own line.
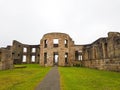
<point>78,55</point>
<point>66,58</point>
<point>106,53</point>
<point>55,58</point>
<point>24,58</point>
<point>66,43</point>
<point>33,59</point>
<point>95,54</point>
<point>45,43</point>
<point>55,42</point>
<point>24,49</point>
<point>45,58</point>
<point>33,50</point>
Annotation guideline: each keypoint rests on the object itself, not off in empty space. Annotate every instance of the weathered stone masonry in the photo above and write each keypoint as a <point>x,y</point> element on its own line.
<point>5,58</point>
<point>59,49</point>
<point>22,53</point>
<point>104,53</point>
<point>56,49</point>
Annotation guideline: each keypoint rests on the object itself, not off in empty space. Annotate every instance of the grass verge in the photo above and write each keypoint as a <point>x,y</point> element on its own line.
<point>77,78</point>
<point>24,77</point>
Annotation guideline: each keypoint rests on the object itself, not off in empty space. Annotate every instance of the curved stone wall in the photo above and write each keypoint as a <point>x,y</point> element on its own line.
<point>55,49</point>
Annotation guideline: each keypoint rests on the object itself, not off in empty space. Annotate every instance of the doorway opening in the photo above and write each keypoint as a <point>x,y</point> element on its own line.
<point>55,58</point>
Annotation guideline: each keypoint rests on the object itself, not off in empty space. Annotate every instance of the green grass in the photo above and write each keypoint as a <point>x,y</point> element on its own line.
<point>22,78</point>
<point>77,78</point>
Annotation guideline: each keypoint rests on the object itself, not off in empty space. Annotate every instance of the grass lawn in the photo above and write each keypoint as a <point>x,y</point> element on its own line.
<point>77,78</point>
<point>22,78</point>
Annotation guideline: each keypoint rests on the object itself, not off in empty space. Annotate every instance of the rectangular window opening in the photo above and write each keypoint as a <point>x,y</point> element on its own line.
<point>33,50</point>
<point>78,55</point>
<point>66,43</point>
<point>66,58</point>
<point>55,42</point>
<point>45,43</point>
<point>106,53</point>
<point>24,49</point>
<point>24,58</point>
<point>45,58</point>
<point>33,59</point>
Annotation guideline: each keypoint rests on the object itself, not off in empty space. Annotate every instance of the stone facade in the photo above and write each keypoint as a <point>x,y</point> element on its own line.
<point>6,61</point>
<point>55,49</point>
<point>23,53</point>
<point>104,53</point>
<point>59,49</point>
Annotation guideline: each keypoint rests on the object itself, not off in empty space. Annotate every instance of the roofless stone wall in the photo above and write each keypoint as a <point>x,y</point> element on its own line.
<point>104,53</point>
<point>59,49</point>
<point>23,53</point>
<point>55,49</point>
<point>6,61</point>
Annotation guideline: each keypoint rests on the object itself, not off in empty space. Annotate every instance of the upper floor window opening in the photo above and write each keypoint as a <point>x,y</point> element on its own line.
<point>45,43</point>
<point>66,42</point>
<point>55,42</point>
<point>33,50</point>
<point>24,49</point>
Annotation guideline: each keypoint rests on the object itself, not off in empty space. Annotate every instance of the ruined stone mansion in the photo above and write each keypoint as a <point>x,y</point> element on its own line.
<point>59,49</point>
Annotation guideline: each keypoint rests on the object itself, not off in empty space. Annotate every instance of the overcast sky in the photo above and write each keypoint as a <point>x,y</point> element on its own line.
<point>84,20</point>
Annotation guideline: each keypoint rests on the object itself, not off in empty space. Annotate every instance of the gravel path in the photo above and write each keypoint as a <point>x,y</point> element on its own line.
<point>51,81</point>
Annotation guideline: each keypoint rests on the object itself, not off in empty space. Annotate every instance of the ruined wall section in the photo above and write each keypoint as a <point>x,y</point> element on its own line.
<point>32,53</point>
<point>17,49</point>
<point>95,54</point>
<point>59,49</point>
<point>6,61</point>
<point>76,52</point>
<point>62,48</point>
<point>113,51</point>
<point>104,53</point>
<point>71,55</point>
<point>22,53</point>
<point>114,44</point>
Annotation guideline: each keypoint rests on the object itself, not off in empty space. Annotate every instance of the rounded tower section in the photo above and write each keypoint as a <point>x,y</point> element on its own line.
<point>54,49</point>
